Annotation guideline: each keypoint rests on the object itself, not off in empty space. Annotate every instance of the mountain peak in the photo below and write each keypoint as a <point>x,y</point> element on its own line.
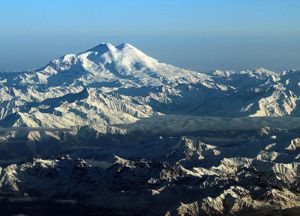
<point>262,70</point>
<point>125,45</point>
<point>102,47</point>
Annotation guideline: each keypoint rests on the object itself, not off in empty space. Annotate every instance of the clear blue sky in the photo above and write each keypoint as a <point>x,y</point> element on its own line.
<point>197,34</point>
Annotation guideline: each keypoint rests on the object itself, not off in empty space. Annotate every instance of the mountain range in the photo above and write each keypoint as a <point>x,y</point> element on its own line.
<point>110,85</point>
<point>116,129</point>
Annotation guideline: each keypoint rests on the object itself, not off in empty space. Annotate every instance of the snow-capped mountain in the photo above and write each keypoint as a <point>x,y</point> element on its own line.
<point>120,131</point>
<point>111,85</point>
<point>100,87</point>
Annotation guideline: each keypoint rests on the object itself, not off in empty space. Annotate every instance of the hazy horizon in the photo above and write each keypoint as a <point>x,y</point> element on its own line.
<point>202,35</point>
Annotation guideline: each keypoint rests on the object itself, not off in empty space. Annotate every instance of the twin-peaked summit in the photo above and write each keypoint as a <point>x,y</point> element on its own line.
<point>105,47</point>
<point>107,62</point>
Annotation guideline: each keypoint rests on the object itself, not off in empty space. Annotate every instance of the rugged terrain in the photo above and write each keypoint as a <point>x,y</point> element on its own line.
<point>121,133</point>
